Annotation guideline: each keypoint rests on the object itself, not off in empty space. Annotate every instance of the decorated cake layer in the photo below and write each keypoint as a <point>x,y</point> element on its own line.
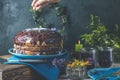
<point>37,41</point>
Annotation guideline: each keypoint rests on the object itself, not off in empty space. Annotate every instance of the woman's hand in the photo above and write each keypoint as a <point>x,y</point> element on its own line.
<point>37,4</point>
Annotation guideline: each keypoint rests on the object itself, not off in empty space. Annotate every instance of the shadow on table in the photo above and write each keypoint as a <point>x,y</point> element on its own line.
<point>2,60</point>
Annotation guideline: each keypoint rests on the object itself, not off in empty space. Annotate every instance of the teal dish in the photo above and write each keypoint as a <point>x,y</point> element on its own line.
<point>60,54</point>
<point>104,73</point>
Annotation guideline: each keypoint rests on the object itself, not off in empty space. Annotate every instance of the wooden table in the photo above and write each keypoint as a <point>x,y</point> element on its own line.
<point>23,72</point>
<point>16,72</point>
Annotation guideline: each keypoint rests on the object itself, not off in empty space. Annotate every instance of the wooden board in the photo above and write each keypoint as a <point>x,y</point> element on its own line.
<point>18,72</point>
<point>15,72</point>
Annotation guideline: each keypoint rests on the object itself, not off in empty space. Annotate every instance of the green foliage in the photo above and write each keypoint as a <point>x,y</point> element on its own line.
<point>61,12</point>
<point>100,36</point>
<point>36,16</point>
<point>115,35</point>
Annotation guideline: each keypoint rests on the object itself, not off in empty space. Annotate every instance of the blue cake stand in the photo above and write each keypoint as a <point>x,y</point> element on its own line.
<point>57,55</point>
<point>49,71</point>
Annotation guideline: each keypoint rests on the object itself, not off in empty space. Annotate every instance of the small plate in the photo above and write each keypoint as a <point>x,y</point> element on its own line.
<point>37,56</point>
<point>101,73</point>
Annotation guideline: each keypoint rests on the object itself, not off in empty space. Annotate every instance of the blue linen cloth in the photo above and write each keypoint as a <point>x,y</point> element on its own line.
<point>104,73</point>
<point>48,70</point>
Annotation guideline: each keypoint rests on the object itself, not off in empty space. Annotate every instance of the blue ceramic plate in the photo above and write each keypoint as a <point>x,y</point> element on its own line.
<point>36,56</point>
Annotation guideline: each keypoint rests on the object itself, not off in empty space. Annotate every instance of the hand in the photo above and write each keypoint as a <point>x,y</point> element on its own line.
<point>38,4</point>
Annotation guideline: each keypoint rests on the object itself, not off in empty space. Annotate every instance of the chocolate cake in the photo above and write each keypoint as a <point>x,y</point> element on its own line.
<point>38,41</point>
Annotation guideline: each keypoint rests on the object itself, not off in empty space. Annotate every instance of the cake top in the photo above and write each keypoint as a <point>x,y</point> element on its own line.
<point>37,34</point>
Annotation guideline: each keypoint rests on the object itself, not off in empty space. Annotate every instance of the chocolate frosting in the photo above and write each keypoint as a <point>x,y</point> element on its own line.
<point>38,34</point>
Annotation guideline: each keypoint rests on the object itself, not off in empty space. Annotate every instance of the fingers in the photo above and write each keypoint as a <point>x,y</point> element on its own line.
<point>33,3</point>
<point>37,8</point>
<point>37,4</point>
<point>40,6</point>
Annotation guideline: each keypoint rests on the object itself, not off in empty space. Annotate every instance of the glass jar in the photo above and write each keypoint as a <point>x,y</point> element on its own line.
<point>105,57</point>
<point>75,73</point>
<point>89,54</point>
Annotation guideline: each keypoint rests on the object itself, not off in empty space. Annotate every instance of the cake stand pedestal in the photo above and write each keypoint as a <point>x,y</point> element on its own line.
<point>50,70</point>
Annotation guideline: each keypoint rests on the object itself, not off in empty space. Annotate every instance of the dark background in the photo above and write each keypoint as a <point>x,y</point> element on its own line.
<point>15,16</point>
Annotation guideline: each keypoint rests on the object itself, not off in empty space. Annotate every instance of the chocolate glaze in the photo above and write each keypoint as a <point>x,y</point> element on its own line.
<point>37,34</point>
<point>43,38</point>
